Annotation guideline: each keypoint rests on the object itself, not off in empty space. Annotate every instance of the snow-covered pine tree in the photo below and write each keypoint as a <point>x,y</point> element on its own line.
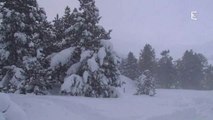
<point>23,32</point>
<point>66,54</point>
<point>72,25</point>
<point>58,31</point>
<point>62,28</point>
<point>96,73</point>
<point>146,84</point>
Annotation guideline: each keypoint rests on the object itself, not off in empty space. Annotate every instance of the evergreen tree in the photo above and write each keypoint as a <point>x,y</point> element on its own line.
<point>166,72</point>
<point>129,67</point>
<point>97,66</point>
<point>65,29</point>
<point>24,35</point>
<point>147,59</point>
<point>58,31</point>
<point>146,84</point>
<point>73,22</point>
<point>191,69</point>
<point>122,66</point>
<point>208,78</point>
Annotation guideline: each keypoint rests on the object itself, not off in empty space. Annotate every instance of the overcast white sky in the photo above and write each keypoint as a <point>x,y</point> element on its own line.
<point>165,24</point>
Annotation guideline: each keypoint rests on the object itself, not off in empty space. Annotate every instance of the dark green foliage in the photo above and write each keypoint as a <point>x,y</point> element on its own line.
<point>166,72</point>
<point>66,29</point>
<point>129,66</point>
<point>208,78</point>
<point>24,35</point>
<point>147,60</point>
<point>91,37</point>
<point>191,70</point>
<point>80,30</point>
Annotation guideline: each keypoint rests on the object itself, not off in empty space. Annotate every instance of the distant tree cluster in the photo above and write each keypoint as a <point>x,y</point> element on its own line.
<point>70,55</point>
<point>192,71</point>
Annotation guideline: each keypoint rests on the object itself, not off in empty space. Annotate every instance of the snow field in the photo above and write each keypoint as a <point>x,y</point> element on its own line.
<point>165,105</point>
<point>9,110</point>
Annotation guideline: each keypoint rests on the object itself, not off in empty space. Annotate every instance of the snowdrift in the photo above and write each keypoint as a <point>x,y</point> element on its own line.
<point>166,105</point>
<point>10,110</point>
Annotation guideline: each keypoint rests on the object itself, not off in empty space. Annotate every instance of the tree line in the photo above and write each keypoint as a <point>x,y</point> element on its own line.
<point>191,71</point>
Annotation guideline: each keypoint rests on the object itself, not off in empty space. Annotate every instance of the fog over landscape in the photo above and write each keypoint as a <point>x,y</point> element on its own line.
<point>143,60</point>
<point>164,24</point>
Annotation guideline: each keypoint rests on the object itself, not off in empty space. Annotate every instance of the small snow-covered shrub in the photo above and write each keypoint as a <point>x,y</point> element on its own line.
<point>145,84</point>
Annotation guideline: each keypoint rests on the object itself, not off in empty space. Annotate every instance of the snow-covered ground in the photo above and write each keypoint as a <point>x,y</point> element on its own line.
<point>166,105</point>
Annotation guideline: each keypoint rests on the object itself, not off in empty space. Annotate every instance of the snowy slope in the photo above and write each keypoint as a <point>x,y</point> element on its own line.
<point>166,105</point>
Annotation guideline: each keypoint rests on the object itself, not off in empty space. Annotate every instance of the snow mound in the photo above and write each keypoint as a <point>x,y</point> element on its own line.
<point>128,86</point>
<point>166,105</point>
<point>10,110</point>
<point>2,117</point>
<point>4,102</point>
<point>15,113</point>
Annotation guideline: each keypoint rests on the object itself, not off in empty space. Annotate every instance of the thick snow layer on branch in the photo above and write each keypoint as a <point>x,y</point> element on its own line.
<point>4,54</point>
<point>101,55</point>
<point>62,57</point>
<point>72,84</point>
<point>85,54</point>
<point>85,76</point>
<point>18,76</point>
<point>69,29</point>
<point>73,69</point>
<point>1,15</point>
<point>92,64</point>
<point>8,12</point>
<point>21,37</point>
<point>107,44</point>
